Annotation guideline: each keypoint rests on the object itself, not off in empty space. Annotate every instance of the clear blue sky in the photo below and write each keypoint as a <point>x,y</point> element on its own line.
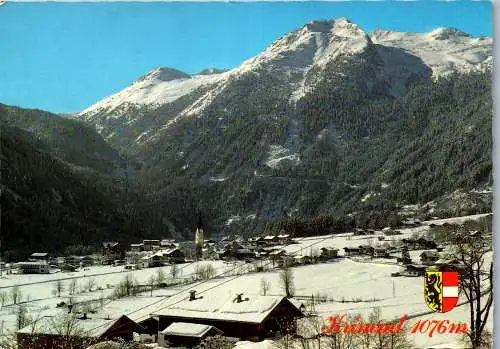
<point>63,57</point>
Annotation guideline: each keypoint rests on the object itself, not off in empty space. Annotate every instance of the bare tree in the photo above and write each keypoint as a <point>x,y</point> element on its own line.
<point>384,340</point>
<point>22,318</point>
<point>265,286</point>
<point>90,284</point>
<point>15,294</point>
<point>72,286</point>
<point>174,271</point>
<point>59,287</point>
<point>126,287</point>
<point>151,284</point>
<point>160,277</point>
<point>476,284</point>
<point>3,298</point>
<point>217,342</point>
<point>286,281</point>
<point>285,337</point>
<point>71,334</point>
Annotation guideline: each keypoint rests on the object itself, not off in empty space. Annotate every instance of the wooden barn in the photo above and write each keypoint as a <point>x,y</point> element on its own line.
<point>251,318</point>
<point>52,332</point>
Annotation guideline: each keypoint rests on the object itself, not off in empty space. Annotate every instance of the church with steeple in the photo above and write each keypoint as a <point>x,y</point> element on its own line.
<point>199,238</point>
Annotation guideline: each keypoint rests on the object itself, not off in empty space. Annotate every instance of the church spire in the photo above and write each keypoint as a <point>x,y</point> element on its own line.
<point>199,238</point>
<point>199,226</point>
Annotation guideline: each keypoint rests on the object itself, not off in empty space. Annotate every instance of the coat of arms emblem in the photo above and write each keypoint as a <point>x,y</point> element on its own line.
<point>441,290</point>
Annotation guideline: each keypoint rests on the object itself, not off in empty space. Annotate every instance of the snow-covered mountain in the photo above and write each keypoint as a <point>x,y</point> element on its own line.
<point>329,120</point>
<point>442,51</point>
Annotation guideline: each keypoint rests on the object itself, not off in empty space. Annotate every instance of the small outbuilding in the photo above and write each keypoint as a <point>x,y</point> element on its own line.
<point>187,335</point>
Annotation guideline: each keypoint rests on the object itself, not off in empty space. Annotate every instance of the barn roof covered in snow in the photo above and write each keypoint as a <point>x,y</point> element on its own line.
<point>187,330</point>
<point>89,327</point>
<point>253,309</point>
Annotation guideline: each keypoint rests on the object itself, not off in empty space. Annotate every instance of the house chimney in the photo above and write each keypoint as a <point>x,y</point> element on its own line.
<point>70,307</point>
<point>238,298</point>
<point>192,295</point>
<point>84,316</point>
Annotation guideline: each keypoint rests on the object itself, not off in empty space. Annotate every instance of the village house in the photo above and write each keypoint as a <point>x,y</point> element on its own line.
<point>390,232</point>
<point>40,267</point>
<point>186,335</point>
<point>351,251</point>
<point>380,252</point>
<point>174,256</point>
<point>419,243</point>
<point>411,222</point>
<point>285,261</point>
<point>209,253</point>
<point>360,232</point>
<point>110,248</point>
<point>257,239</point>
<point>48,333</point>
<point>429,257</point>
<point>151,245</point>
<point>251,318</point>
<point>414,270</point>
<point>188,248</point>
<point>328,253</point>
<point>271,240</point>
<point>167,244</point>
<point>449,265</point>
<point>275,256</point>
<point>284,239</point>
<point>366,250</point>
<point>301,260</point>
<point>136,248</point>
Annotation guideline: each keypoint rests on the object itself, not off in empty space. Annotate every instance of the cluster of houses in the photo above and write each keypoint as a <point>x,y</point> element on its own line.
<point>186,322</point>
<point>229,249</point>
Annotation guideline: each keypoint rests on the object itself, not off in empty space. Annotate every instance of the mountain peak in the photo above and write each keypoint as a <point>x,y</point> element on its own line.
<point>445,33</point>
<point>211,71</point>
<point>164,74</point>
<point>326,26</point>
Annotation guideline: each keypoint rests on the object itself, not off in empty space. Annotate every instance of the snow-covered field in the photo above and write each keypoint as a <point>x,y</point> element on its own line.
<point>350,287</point>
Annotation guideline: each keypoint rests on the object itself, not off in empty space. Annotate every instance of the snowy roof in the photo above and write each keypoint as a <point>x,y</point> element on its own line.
<point>186,329</point>
<point>31,263</point>
<point>270,237</point>
<point>253,310</point>
<point>430,254</point>
<point>39,254</point>
<point>277,252</point>
<point>52,325</point>
<point>284,236</point>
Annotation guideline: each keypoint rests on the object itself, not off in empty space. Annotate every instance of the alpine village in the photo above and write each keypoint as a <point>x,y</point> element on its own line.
<point>247,208</point>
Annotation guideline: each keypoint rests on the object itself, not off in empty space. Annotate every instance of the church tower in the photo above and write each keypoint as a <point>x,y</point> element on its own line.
<point>199,238</point>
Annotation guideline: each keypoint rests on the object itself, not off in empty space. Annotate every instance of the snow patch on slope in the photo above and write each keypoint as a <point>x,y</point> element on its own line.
<point>444,50</point>
<point>278,153</point>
